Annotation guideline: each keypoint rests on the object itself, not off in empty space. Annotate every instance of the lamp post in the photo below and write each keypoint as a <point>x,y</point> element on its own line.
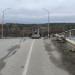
<point>48,19</point>
<point>3,16</point>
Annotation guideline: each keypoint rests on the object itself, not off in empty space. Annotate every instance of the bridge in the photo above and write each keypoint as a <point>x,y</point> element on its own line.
<point>44,56</point>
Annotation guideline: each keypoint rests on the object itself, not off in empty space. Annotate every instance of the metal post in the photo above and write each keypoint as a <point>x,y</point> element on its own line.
<point>70,34</point>
<point>48,20</point>
<point>2,24</point>
<point>48,24</point>
<point>3,15</point>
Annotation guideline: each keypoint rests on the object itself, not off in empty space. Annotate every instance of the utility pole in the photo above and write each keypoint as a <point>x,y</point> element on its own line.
<point>48,20</point>
<point>2,24</point>
<point>3,16</point>
<point>48,23</point>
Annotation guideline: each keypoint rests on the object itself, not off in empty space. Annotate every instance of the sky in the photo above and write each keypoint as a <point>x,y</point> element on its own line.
<point>36,11</point>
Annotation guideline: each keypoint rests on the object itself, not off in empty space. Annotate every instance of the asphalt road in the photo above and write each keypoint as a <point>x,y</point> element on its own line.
<point>33,58</point>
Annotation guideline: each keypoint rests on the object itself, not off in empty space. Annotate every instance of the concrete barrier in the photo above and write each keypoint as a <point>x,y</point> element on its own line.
<point>72,43</point>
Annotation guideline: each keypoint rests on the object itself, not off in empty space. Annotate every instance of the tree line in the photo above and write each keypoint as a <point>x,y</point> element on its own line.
<point>20,30</point>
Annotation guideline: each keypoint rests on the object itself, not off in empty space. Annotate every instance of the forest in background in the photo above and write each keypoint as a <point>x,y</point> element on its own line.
<point>21,30</point>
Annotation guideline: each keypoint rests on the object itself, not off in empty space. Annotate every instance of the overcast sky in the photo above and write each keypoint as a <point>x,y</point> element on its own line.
<point>33,11</point>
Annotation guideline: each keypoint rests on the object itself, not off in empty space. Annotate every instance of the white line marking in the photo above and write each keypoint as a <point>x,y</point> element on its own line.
<point>28,59</point>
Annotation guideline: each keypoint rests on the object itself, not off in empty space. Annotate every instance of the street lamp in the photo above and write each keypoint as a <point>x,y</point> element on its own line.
<point>3,16</point>
<point>48,18</point>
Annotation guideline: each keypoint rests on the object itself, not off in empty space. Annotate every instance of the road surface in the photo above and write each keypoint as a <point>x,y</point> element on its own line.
<point>32,58</point>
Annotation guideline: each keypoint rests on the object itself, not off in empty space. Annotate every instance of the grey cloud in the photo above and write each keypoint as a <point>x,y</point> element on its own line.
<point>32,10</point>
